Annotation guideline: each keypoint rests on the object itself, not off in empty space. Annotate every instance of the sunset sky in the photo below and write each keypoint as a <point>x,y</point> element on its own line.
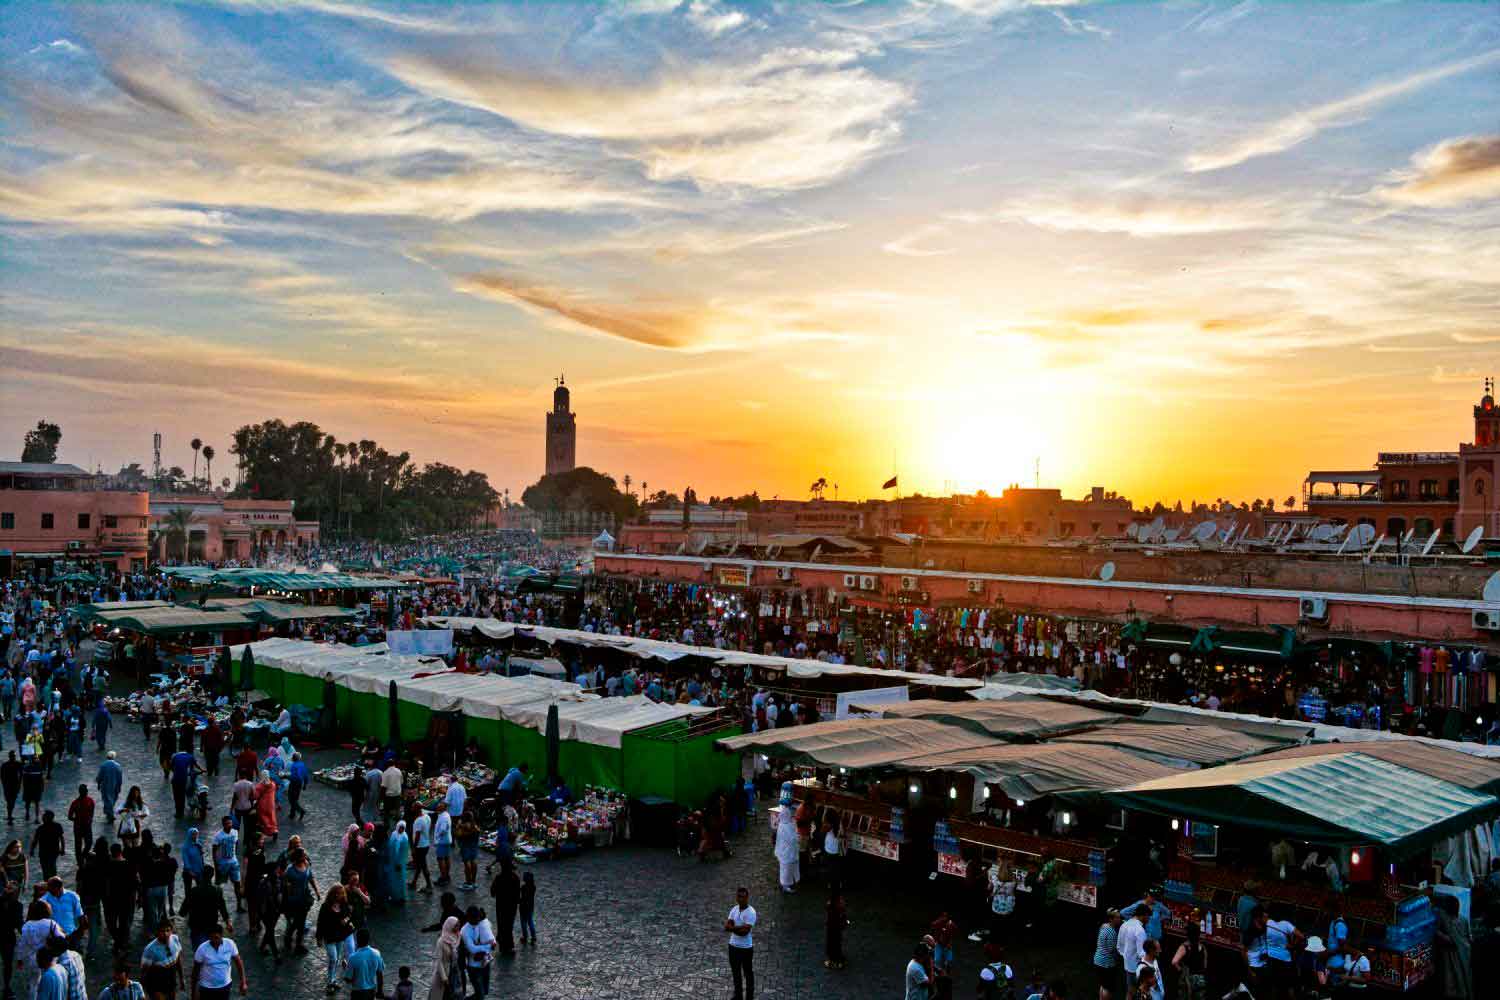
<point>1178,250</point>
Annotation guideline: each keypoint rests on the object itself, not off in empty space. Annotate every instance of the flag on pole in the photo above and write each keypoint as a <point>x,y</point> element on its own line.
<point>889,484</point>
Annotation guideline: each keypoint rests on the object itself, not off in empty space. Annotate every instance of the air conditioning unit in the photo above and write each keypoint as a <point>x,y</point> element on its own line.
<point>708,567</point>
<point>908,583</point>
<point>74,546</point>
<point>976,586</point>
<point>869,583</point>
<point>851,581</point>
<point>784,573</point>
<point>1487,621</point>
<point>1313,609</point>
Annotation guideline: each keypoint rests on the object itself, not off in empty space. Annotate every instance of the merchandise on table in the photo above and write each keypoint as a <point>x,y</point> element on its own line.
<point>589,822</point>
<point>340,775</point>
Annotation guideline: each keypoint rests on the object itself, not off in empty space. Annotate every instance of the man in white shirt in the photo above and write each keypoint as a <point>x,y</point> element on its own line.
<point>214,965</point>
<point>478,940</point>
<point>741,927</point>
<point>442,841</point>
<point>390,791</point>
<point>1132,938</point>
<point>421,841</point>
<point>457,796</point>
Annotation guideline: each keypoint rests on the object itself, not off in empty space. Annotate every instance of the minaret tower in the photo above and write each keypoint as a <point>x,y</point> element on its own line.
<point>562,432</point>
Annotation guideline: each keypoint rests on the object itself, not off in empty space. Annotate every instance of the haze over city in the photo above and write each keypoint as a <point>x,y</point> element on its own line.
<point>1181,250</point>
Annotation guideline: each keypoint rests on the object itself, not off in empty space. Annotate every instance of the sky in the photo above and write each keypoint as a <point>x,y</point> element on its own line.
<point>1179,250</point>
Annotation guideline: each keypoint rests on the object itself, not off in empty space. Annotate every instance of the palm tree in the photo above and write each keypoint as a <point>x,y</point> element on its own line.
<point>208,464</point>
<point>196,443</point>
<point>177,523</point>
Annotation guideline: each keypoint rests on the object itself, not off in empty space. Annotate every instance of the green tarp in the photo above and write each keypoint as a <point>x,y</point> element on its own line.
<point>1346,799</point>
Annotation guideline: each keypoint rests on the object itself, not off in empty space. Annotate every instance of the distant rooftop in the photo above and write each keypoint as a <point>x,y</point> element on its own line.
<point>40,469</point>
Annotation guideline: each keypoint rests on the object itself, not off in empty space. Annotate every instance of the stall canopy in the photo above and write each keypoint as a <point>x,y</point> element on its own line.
<point>652,649</point>
<point>270,580</point>
<point>1346,799</point>
<point>1026,773</point>
<point>1480,774</point>
<point>174,620</point>
<point>1011,719</point>
<point>270,612</point>
<point>1203,746</point>
<point>88,612</point>
<point>859,743</point>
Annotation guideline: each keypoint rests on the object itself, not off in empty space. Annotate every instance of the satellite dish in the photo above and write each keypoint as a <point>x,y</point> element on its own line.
<point>1205,531</point>
<point>1410,534</point>
<point>1341,530</point>
<point>1157,527</point>
<point>1322,532</point>
<point>1492,589</point>
<point>1172,534</point>
<point>1361,535</point>
<point>1472,540</point>
<point>1107,571</point>
<point>1133,532</point>
<point>1431,542</point>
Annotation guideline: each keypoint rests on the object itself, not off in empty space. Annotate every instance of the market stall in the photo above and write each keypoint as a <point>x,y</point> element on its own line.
<point>1370,826</point>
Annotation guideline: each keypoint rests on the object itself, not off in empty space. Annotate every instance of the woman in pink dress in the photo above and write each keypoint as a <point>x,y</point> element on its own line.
<point>265,806</point>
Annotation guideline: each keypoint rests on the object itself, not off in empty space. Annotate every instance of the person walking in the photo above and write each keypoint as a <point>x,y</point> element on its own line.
<point>421,843</point>
<point>269,905</point>
<point>442,842</point>
<point>298,890</point>
<point>67,910</point>
<point>335,924</point>
<point>102,722</point>
<point>298,778</point>
<point>10,783</point>
<point>213,745</point>
<point>92,880</point>
<point>120,897</point>
<point>366,969</point>
<point>33,780</point>
<point>446,982</point>
<point>214,963</point>
<point>122,987</point>
<point>205,909</point>
<point>162,974</point>
<point>184,767</point>
<point>788,847</point>
<point>49,843</point>
<point>526,909</point>
<point>109,780</point>
<point>226,844</point>
<point>397,854</point>
<point>192,861</point>
<point>81,815</point>
<point>740,925</point>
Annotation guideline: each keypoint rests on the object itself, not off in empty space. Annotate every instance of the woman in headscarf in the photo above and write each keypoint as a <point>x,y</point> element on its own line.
<point>192,860</point>
<point>354,844</point>
<point>14,865</point>
<point>397,853</point>
<point>28,694</point>
<point>265,806</point>
<point>446,983</point>
<point>276,766</point>
<point>788,852</point>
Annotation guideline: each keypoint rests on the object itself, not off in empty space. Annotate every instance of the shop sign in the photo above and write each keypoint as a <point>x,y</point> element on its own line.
<point>878,846</point>
<point>953,864</point>
<point>1079,892</point>
<point>733,576</point>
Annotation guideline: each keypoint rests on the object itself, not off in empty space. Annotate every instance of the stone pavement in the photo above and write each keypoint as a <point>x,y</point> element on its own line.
<point>624,921</point>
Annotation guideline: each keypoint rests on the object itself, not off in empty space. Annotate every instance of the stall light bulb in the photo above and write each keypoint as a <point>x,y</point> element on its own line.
<point>986,792</point>
<point>1354,858</point>
<point>1176,825</point>
<point>913,789</point>
<point>1067,818</point>
<point>952,793</point>
<point>1020,803</point>
<point>843,770</point>
<point>1478,720</point>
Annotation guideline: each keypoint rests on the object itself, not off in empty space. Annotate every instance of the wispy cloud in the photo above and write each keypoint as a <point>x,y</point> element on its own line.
<point>652,328</point>
<point>1452,172</point>
<point>714,20</point>
<point>1138,214</point>
<point>1300,126</point>
<point>792,118</point>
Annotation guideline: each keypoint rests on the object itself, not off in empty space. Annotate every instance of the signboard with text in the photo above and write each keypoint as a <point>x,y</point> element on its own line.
<point>952,864</point>
<point>878,846</point>
<point>733,576</point>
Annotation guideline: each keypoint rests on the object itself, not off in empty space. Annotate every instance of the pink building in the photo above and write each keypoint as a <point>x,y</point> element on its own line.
<point>51,511</point>
<point>222,529</point>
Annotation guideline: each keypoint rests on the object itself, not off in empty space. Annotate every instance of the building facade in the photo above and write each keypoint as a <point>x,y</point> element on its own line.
<point>562,433</point>
<point>220,529</point>
<point>52,512</point>
<point>1418,493</point>
<point>1018,513</point>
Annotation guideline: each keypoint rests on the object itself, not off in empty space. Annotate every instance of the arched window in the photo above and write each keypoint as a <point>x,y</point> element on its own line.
<point>1395,526</point>
<point>1423,527</point>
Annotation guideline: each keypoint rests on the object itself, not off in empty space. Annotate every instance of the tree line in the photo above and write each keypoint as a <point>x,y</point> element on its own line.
<point>356,489</point>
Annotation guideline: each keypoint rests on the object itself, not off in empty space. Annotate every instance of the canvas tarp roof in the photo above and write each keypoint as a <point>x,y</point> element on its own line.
<point>174,620</point>
<point>1012,719</point>
<point>1029,772</point>
<point>858,743</point>
<point>1344,799</point>
<point>669,651</point>
<point>272,580</point>
<point>88,611</point>
<point>1203,746</point>
<point>274,612</point>
<point>602,721</point>
<point>1481,774</point>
